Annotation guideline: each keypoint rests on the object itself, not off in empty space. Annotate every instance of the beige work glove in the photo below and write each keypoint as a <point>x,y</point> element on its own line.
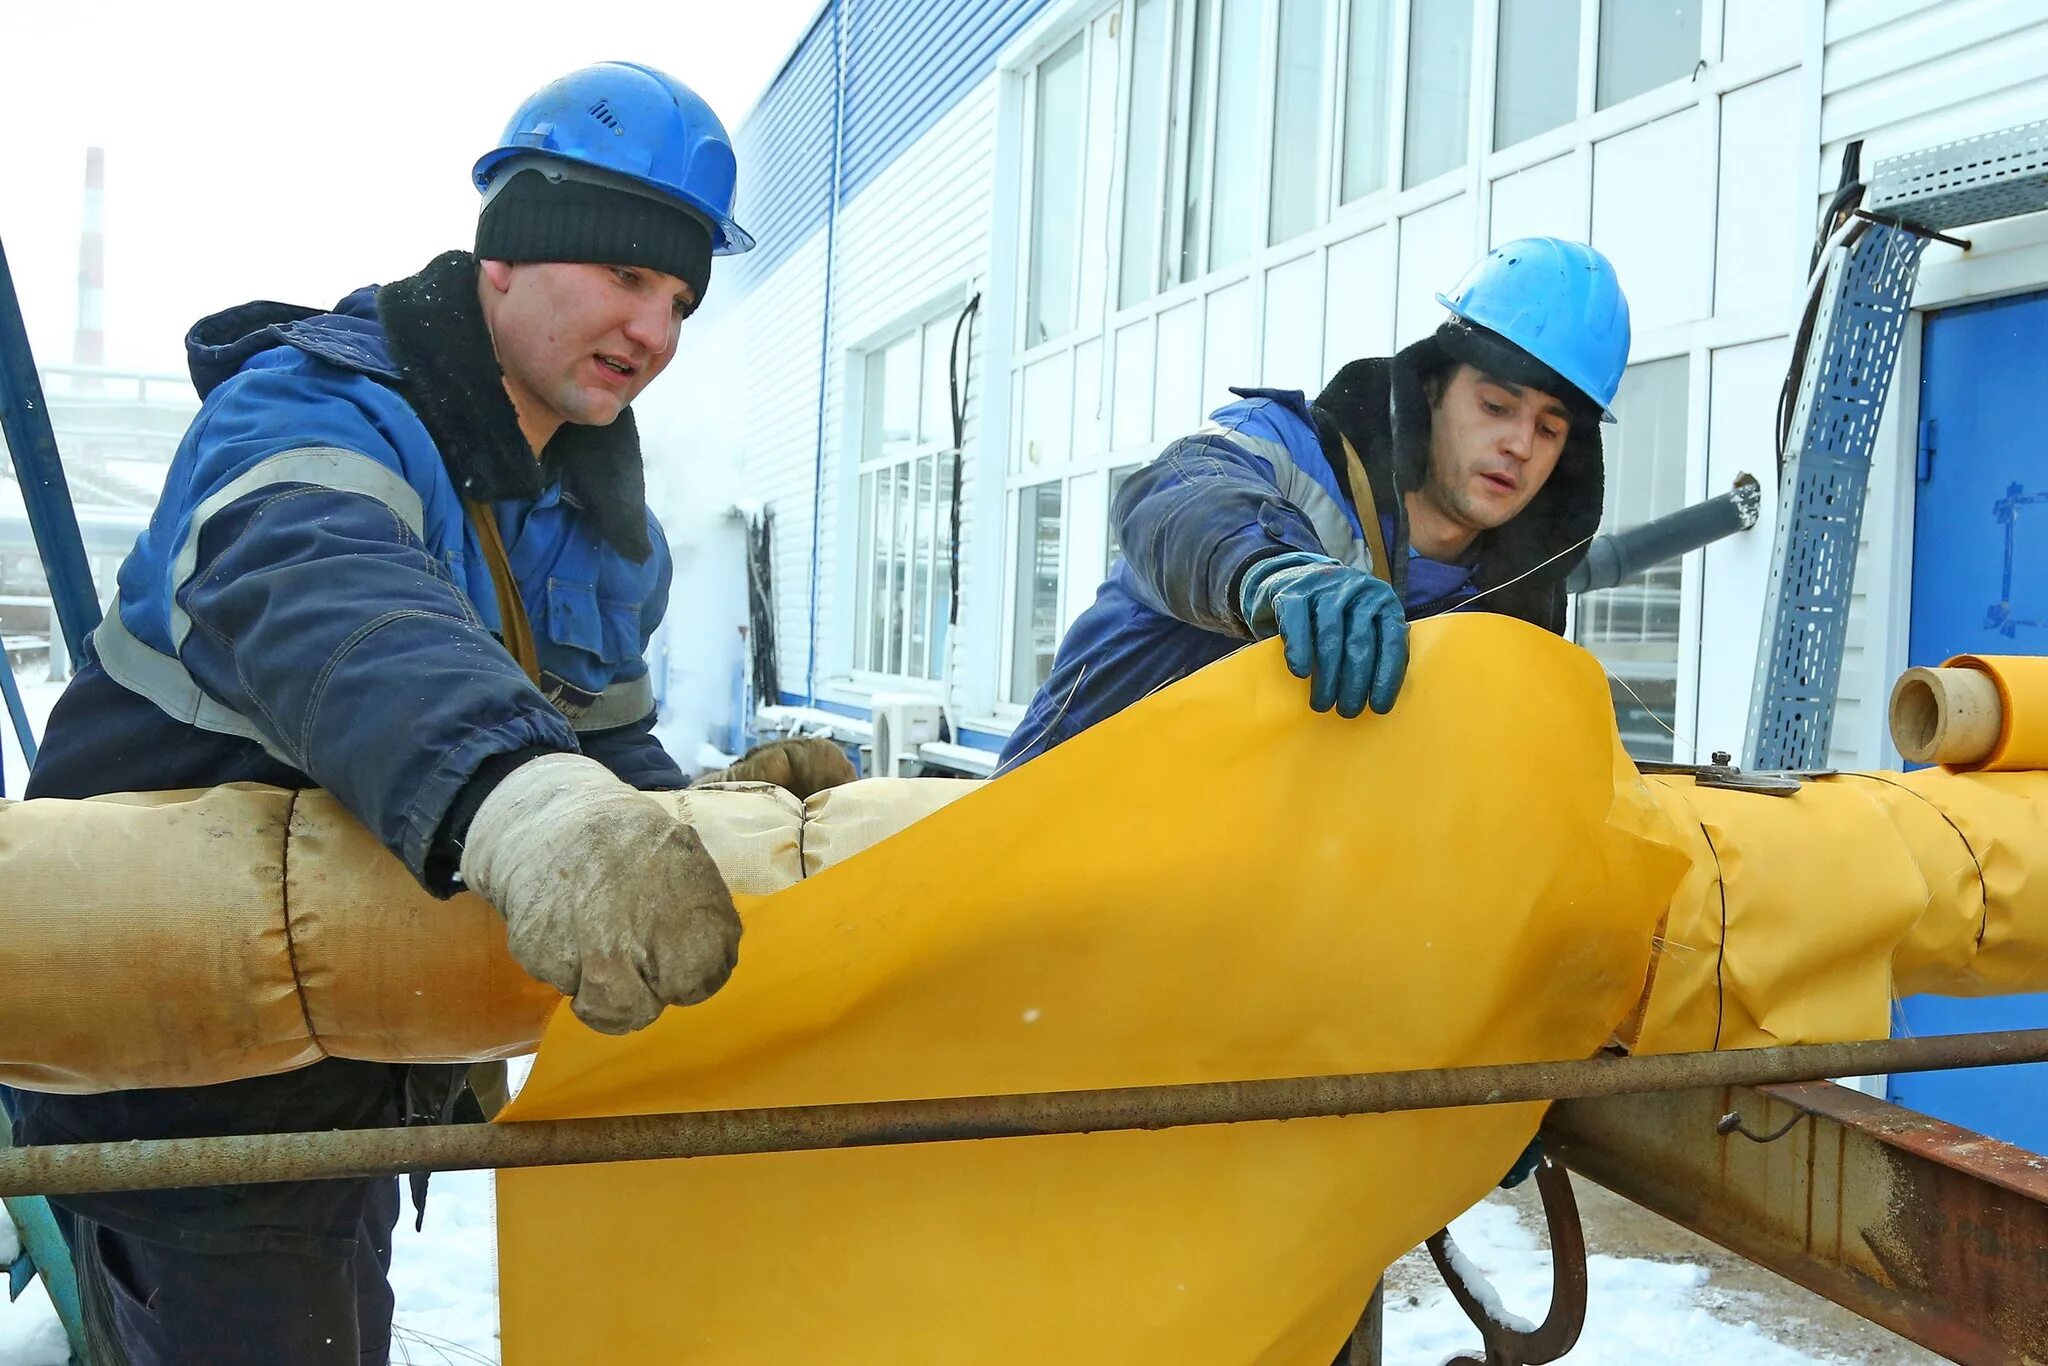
<point>606,897</point>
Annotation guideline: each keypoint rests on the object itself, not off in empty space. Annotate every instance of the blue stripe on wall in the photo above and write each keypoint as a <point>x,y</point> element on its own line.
<point>797,699</point>
<point>984,739</point>
<point>907,63</point>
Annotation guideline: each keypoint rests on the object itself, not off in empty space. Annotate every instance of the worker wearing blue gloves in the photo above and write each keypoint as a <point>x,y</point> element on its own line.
<point>1342,628</point>
<point>1465,469</point>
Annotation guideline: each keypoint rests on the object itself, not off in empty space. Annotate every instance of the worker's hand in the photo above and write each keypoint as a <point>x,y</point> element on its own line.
<point>606,897</point>
<point>1343,629</point>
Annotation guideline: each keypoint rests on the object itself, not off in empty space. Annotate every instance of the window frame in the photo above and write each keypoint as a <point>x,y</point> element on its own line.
<point>931,322</point>
<point>1696,363</point>
<point>1028,205</point>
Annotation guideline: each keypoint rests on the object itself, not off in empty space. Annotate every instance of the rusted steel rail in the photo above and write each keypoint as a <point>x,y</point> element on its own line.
<point>250,1159</point>
<point>1937,1233</point>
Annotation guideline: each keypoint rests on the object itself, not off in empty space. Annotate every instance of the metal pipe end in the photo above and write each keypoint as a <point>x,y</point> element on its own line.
<point>1749,499</point>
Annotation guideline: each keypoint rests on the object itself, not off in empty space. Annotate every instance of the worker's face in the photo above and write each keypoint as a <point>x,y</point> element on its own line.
<point>579,342</point>
<point>1492,446</point>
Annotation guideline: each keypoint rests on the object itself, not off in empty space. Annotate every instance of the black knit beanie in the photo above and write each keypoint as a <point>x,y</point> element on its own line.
<point>535,218</point>
<point>1489,352</point>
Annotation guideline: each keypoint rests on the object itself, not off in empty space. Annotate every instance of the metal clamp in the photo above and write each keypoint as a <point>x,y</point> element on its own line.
<point>1723,773</point>
<point>1510,1344</point>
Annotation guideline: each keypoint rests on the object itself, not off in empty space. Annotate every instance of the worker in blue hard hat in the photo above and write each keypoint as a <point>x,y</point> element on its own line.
<point>404,554</point>
<point>1465,469</point>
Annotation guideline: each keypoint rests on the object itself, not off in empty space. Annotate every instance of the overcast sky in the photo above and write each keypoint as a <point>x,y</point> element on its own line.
<point>294,152</point>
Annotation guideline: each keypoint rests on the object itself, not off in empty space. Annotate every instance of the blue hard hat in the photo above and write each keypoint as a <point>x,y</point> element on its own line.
<point>630,121</point>
<point>1559,301</point>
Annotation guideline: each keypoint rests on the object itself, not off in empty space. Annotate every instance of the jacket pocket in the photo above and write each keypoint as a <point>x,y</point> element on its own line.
<point>604,627</point>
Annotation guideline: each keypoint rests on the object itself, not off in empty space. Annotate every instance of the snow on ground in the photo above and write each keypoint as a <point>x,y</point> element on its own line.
<point>1639,1310</point>
<point>1636,1309</point>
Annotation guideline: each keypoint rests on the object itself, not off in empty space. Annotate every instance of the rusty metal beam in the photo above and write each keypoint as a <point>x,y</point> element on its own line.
<point>1937,1233</point>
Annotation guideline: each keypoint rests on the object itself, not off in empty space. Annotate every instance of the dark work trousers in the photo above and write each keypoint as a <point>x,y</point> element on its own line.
<point>146,1303</point>
<point>278,1274</point>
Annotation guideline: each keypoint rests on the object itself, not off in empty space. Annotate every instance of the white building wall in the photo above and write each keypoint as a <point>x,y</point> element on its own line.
<point>1703,191</point>
<point>742,394</point>
<point>910,245</point>
<point>913,246</point>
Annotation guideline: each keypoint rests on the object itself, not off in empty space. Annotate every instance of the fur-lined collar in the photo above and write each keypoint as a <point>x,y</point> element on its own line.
<point>1382,406</point>
<point>449,371</point>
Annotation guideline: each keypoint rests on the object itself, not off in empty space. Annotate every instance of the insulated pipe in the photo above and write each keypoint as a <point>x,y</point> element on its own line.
<point>1946,716</point>
<point>249,1159</point>
<point>1985,713</point>
<point>1622,555</point>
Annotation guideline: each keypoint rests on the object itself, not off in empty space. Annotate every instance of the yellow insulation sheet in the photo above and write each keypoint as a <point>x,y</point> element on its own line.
<point>1216,884</point>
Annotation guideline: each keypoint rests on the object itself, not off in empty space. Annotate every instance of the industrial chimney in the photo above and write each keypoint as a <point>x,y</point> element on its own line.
<point>89,342</point>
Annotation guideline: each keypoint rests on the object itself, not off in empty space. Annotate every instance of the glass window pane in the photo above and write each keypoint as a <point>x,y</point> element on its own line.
<point>917,614</point>
<point>935,407</point>
<point>1233,219</point>
<point>1645,43</point>
<point>942,568</point>
<point>1056,192</point>
<point>1298,119</point>
<point>1634,628</point>
<point>899,569</point>
<point>878,576</point>
<point>1115,551</point>
<point>1038,589</point>
<point>1144,155</point>
<point>1439,89</point>
<point>1538,84</point>
<point>898,405</point>
<point>863,578</point>
<point>1367,89</point>
<point>1194,154</point>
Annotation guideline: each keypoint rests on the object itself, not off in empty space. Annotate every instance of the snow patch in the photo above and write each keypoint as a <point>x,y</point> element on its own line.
<point>1637,1310</point>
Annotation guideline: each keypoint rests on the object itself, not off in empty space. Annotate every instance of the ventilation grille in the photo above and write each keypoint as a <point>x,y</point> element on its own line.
<point>602,112</point>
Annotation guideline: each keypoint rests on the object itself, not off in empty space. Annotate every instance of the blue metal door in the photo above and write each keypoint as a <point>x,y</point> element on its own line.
<point>1980,585</point>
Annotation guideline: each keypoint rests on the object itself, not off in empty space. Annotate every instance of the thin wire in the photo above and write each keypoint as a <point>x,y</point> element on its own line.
<point>1647,710</point>
<point>1576,545</point>
<point>1046,729</point>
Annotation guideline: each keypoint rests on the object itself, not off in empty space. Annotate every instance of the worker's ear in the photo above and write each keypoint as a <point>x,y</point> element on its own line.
<point>498,274</point>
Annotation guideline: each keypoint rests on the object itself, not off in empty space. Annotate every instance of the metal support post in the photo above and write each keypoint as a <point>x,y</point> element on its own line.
<point>17,712</point>
<point>25,422</point>
<point>43,1248</point>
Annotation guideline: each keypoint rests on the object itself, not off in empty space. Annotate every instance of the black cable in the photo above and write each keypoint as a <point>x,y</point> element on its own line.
<point>1849,191</point>
<point>956,384</point>
<point>761,609</point>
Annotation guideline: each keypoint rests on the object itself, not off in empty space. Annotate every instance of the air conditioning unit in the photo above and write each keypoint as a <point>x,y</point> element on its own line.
<point>902,721</point>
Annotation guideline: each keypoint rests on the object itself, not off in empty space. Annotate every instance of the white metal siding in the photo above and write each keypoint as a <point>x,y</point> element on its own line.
<point>909,244</point>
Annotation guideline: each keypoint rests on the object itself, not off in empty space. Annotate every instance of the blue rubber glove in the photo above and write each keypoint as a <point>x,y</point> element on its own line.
<point>1344,629</point>
<point>1525,1165</point>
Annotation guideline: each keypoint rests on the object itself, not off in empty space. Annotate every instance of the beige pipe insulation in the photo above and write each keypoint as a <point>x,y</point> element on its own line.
<point>185,938</point>
<point>196,937</point>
